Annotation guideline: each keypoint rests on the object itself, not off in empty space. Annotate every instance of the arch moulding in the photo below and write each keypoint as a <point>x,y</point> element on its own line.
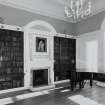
<point>41,23</point>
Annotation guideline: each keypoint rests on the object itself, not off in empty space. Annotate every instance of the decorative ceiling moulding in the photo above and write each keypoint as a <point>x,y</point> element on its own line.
<point>36,11</point>
<point>65,35</point>
<point>10,27</point>
<point>29,28</point>
<point>48,26</point>
<point>88,34</point>
<point>39,32</point>
<point>42,23</point>
<point>14,5</point>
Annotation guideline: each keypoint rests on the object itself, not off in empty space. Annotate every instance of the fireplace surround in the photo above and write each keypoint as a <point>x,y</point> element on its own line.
<point>41,79</point>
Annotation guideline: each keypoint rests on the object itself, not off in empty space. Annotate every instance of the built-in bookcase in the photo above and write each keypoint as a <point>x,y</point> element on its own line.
<point>11,59</point>
<point>64,57</point>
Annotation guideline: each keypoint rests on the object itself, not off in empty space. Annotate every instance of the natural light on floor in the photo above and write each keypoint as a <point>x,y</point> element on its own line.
<point>81,100</point>
<point>10,100</point>
<point>65,90</point>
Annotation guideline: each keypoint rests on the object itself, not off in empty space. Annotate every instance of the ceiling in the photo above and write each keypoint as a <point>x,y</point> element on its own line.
<point>52,8</point>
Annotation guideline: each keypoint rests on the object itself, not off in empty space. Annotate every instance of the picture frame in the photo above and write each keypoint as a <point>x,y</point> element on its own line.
<point>34,39</point>
<point>41,44</point>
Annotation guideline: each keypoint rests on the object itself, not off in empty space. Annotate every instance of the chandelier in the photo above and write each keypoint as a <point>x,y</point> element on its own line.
<point>77,9</point>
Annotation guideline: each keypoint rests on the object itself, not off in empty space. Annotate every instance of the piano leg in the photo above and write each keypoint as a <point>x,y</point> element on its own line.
<point>91,80</point>
<point>81,84</point>
<point>72,85</point>
<point>91,83</point>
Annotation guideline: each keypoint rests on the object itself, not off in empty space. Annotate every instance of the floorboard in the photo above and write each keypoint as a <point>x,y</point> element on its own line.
<point>95,95</point>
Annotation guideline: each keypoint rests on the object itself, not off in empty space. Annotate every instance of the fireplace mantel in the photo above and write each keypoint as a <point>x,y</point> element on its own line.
<point>38,60</point>
<point>47,85</point>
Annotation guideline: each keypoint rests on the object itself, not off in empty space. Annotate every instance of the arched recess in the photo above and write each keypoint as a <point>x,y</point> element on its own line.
<point>40,25</point>
<point>31,57</point>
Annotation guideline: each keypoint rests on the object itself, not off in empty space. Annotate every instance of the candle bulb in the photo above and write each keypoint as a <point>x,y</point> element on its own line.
<point>81,4</point>
<point>71,3</point>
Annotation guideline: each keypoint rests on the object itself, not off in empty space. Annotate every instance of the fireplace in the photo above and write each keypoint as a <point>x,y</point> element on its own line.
<point>40,77</point>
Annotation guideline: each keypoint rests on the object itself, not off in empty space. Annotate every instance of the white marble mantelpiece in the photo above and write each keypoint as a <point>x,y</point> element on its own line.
<point>50,82</point>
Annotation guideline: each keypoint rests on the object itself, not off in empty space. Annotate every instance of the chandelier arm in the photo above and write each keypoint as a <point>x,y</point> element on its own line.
<point>75,9</point>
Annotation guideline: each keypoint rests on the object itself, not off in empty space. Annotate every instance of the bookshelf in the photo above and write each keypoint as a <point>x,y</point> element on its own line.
<point>64,57</point>
<point>11,59</point>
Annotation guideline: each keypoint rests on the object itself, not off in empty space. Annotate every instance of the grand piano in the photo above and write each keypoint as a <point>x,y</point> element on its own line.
<point>80,78</point>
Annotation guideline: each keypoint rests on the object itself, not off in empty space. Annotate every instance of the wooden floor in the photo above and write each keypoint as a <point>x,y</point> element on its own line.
<point>61,97</point>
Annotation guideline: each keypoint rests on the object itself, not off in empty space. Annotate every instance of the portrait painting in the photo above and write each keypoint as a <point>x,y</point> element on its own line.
<point>41,44</point>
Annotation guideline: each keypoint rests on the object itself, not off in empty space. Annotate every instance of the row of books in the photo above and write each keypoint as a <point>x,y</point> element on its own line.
<point>9,85</point>
<point>11,59</point>
<point>12,71</point>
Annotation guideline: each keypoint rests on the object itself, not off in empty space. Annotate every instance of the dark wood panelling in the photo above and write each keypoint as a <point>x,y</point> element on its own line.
<point>72,54</point>
<point>11,59</point>
<point>56,56</point>
<point>64,57</point>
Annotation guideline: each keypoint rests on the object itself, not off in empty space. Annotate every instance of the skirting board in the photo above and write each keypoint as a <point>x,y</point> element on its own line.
<point>42,88</point>
<point>102,84</point>
<point>13,90</point>
<point>63,81</point>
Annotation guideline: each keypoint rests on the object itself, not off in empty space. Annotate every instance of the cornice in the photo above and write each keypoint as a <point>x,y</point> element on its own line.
<point>10,27</point>
<point>49,14</point>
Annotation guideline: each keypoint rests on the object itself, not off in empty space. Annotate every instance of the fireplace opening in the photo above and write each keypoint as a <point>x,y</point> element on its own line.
<point>40,77</point>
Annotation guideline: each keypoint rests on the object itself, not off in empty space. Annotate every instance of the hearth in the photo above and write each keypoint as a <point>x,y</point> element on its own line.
<point>40,77</point>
